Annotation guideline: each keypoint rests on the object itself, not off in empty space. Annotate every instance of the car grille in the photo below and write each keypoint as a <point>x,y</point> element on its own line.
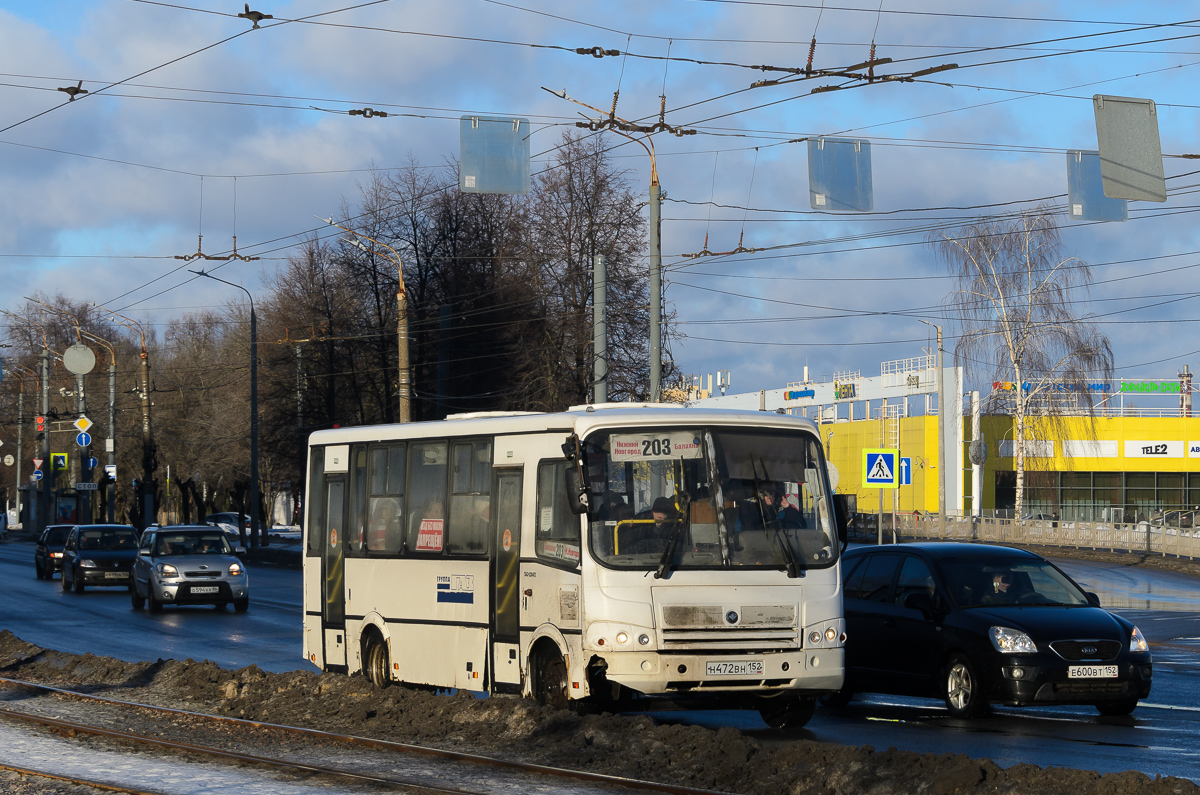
<point>200,574</point>
<point>1075,650</point>
<point>1085,688</point>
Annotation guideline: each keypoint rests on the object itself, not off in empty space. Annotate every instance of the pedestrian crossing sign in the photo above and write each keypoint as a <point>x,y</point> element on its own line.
<point>879,468</point>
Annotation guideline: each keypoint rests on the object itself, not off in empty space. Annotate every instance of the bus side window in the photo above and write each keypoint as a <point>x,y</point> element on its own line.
<point>315,499</point>
<point>558,534</point>
<point>470,498</point>
<point>358,498</point>
<point>426,514</point>
<point>385,513</point>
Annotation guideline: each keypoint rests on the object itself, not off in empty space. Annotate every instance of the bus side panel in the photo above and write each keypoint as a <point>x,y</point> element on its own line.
<point>437,614</point>
<point>314,651</point>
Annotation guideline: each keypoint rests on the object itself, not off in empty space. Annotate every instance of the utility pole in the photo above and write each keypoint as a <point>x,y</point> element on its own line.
<point>655,290</point>
<point>941,432</point>
<point>48,473</point>
<point>600,327</point>
<point>149,463</point>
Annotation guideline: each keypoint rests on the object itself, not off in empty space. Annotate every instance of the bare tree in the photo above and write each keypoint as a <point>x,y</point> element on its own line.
<point>1017,301</point>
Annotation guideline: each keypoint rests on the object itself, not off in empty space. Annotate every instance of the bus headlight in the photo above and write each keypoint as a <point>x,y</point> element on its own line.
<point>830,635</point>
<point>814,637</point>
<point>622,637</point>
<point>644,639</point>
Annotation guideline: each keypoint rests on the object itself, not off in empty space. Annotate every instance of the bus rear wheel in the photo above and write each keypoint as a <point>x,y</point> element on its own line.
<point>787,712</point>
<point>550,678</point>
<point>376,662</point>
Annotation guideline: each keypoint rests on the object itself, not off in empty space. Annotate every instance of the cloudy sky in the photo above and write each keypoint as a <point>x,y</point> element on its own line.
<point>196,122</point>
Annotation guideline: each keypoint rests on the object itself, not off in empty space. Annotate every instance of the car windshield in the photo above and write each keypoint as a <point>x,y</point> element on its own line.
<point>987,582</point>
<point>686,498</point>
<point>57,536</point>
<point>191,544</point>
<point>107,538</point>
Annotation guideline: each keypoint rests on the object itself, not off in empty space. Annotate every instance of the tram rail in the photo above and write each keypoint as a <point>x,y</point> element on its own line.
<point>526,768</point>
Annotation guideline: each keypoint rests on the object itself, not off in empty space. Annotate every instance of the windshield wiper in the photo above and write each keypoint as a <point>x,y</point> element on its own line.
<point>685,502</point>
<point>793,563</point>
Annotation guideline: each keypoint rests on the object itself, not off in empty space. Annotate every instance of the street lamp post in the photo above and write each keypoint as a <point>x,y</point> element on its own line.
<point>941,430</point>
<point>257,534</point>
<point>148,453</point>
<point>111,443</point>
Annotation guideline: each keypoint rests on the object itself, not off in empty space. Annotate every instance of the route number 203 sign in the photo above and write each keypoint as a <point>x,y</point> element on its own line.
<point>666,446</point>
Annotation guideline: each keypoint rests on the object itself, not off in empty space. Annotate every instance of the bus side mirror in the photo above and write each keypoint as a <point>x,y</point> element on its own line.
<point>841,513</point>
<point>576,491</point>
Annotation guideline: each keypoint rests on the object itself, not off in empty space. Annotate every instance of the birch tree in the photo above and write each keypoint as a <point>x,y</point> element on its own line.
<point>1019,302</point>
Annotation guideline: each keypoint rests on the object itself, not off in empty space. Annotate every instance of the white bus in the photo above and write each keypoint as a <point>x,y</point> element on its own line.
<point>611,552</point>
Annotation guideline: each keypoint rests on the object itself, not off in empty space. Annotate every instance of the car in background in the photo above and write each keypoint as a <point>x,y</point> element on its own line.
<point>188,565</point>
<point>48,552</point>
<point>974,623</point>
<point>98,554</point>
<point>229,521</point>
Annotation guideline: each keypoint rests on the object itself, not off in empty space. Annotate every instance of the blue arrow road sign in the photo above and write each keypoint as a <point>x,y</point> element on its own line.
<point>83,439</point>
<point>92,462</point>
<point>905,471</point>
<point>37,474</point>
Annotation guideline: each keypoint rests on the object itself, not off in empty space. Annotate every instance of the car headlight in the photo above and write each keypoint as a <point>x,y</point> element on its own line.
<point>235,569</point>
<point>87,564</point>
<point>167,570</point>
<point>1137,641</point>
<point>1012,641</point>
<point>56,554</point>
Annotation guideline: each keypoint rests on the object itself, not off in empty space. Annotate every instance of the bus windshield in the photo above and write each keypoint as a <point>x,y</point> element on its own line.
<point>708,498</point>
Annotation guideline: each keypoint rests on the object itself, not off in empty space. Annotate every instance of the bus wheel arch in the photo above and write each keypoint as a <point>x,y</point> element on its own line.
<point>549,677</point>
<point>374,648</point>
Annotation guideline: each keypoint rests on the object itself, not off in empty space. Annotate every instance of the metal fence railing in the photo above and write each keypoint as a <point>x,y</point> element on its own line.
<point>1142,537</point>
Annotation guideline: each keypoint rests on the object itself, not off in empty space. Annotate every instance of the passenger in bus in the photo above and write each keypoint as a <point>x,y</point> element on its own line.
<point>786,516</point>
<point>384,527</point>
<point>647,537</point>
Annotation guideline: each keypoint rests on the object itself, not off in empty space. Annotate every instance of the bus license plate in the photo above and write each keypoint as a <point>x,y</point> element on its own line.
<point>116,575</point>
<point>205,589</point>
<point>1092,672</point>
<point>734,668</point>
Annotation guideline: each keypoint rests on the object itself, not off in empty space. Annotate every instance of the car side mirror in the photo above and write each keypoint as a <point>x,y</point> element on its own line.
<point>1093,598</point>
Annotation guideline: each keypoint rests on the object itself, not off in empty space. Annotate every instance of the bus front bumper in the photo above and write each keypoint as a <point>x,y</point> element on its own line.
<point>817,670</point>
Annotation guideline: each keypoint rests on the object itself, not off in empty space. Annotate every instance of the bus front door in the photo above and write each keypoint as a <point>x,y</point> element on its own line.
<point>334,585</point>
<point>506,580</point>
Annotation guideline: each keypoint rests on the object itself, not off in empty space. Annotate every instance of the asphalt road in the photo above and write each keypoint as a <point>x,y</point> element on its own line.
<point>102,620</point>
<point>1161,737</point>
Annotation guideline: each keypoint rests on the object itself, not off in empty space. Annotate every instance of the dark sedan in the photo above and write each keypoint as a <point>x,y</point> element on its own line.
<point>973,624</point>
<point>47,554</point>
<point>98,554</point>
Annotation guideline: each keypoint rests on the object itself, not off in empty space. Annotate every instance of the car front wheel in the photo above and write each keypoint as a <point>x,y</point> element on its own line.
<point>241,605</point>
<point>37,568</point>
<point>962,689</point>
<point>77,584</point>
<point>66,586</point>
<point>152,603</point>
<point>137,599</point>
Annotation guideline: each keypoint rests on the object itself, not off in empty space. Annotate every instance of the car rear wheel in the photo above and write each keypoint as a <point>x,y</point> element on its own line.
<point>1123,707</point>
<point>962,689</point>
<point>241,605</point>
<point>138,601</point>
<point>787,712</point>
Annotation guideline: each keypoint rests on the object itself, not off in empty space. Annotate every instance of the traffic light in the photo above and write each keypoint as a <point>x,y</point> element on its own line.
<point>40,425</point>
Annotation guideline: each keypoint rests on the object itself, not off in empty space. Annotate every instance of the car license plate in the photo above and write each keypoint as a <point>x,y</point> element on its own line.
<point>205,589</point>
<point>116,575</point>
<point>734,668</point>
<point>1092,672</point>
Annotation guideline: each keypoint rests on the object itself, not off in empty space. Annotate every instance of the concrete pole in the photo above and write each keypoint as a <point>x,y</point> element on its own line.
<point>111,443</point>
<point>600,328</point>
<point>405,381</point>
<point>20,445</point>
<point>147,447</point>
<point>85,472</point>
<point>942,426</point>
<point>655,293</point>
<point>257,530</point>
<point>47,465</point>
<point>976,469</point>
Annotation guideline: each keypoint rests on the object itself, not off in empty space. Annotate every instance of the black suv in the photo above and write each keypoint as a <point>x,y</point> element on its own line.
<point>47,555</point>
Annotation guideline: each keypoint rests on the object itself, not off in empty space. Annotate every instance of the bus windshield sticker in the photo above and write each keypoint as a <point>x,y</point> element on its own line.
<point>663,446</point>
<point>556,549</point>
<point>458,588</point>
<point>547,519</point>
<point>429,536</point>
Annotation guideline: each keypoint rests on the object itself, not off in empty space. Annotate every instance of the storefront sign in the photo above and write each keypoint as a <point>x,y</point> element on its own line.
<point>798,394</point>
<point>1103,387</point>
<point>844,391</point>
<point>1193,449</point>
<point>1153,449</point>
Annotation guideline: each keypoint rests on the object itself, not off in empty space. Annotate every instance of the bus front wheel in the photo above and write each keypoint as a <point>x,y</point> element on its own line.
<point>376,662</point>
<point>550,678</point>
<point>787,712</point>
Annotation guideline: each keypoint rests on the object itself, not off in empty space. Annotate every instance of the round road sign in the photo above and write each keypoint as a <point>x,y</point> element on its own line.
<point>79,359</point>
<point>83,439</point>
<point>9,460</point>
<point>37,474</point>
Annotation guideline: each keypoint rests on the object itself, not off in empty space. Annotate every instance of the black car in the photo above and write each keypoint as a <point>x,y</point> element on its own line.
<point>47,555</point>
<point>98,554</point>
<point>973,624</point>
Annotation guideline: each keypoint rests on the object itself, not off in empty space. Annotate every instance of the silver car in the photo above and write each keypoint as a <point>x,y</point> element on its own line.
<point>188,565</point>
